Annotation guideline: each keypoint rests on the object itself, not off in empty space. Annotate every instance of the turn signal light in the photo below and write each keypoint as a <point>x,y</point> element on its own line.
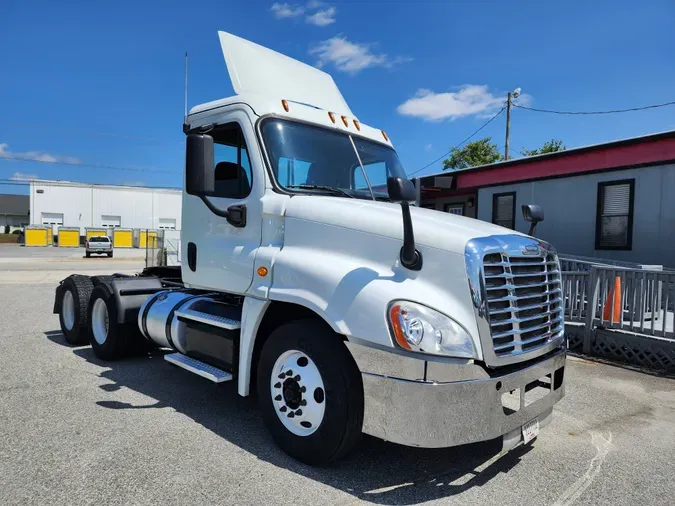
<point>262,271</point>
<point>344,120</point>
<point>285,104</point>
<point>395,319</point>
<point>331,116</point>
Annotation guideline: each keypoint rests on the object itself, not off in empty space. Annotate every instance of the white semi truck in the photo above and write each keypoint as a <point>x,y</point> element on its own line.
<point>308,279</point>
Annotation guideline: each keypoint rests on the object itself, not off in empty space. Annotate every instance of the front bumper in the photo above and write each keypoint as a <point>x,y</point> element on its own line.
<point>441,414</point>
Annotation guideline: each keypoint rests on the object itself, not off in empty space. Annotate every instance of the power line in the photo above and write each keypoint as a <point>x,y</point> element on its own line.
<point>595,112</point>
<point>5,156</point>
<point>47,128</point>
<point>461,143</point>
<point>26,182</point>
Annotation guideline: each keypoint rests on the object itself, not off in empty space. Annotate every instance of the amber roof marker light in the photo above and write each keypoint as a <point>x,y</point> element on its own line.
<point>331,116</point>
<point>345,121</point>
<point>284,103</point>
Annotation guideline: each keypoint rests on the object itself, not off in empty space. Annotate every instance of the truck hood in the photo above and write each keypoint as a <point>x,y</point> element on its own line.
<point>433,229</point>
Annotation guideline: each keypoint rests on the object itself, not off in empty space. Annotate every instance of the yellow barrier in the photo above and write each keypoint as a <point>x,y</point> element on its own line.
<point>123,238</point>
<point>69,237</point>
<point>147,238</point>
<point>92,232</point>
<point>36,236</point>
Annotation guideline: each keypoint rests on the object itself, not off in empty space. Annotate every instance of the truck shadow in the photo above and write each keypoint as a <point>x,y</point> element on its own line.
<point>378,472</point>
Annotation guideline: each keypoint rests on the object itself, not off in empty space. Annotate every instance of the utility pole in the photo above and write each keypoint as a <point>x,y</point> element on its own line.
<point>512,94</point>
<point>508,126</point>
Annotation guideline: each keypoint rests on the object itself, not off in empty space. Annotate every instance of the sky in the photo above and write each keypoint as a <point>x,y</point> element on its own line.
<point>90,88</point>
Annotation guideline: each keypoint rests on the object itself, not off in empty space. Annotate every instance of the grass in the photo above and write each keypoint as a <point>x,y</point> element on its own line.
<point>8,238</point>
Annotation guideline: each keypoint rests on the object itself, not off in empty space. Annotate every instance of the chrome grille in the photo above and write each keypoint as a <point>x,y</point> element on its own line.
<point>524,303</point>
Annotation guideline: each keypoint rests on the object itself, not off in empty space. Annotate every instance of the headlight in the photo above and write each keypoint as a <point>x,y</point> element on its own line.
<point>422,329</point>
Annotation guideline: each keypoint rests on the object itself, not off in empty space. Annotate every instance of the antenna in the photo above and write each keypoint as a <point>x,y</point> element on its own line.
<point>186,87</point>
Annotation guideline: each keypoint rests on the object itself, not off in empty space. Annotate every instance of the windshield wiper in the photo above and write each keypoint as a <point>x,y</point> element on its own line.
<point>334,191</point>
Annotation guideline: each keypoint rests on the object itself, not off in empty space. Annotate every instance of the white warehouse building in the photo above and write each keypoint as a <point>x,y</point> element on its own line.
<point>67,204</point>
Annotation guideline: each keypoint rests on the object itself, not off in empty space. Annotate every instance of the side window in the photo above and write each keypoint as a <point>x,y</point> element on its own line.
<point>233,166</point>
<point>504,209</point>
<point>377,175</point>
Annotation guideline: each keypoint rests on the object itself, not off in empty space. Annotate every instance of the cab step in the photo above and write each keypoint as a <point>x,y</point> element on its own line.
<point>215,320</point>
<point>198,367</point>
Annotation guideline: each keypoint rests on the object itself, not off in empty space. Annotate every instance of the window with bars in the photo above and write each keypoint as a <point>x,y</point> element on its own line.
<point>504,209</point>
<point>614,223</point>
<point>457,209</point>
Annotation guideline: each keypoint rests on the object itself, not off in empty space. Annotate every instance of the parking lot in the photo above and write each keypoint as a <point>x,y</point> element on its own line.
<point>21,265</point>
<point>74,430</point>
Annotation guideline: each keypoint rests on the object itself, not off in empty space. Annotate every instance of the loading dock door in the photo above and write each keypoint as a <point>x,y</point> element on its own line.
<point>53,219</point>
<point>108,221</point>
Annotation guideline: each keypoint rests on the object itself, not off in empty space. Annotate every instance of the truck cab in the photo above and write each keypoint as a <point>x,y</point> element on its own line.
<point>309,278</point>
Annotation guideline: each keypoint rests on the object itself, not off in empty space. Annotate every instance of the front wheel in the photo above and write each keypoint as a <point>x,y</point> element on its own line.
<point>310,392</point>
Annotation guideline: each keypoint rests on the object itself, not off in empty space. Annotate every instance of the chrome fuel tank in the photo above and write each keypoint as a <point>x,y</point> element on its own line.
<point>157,317</point>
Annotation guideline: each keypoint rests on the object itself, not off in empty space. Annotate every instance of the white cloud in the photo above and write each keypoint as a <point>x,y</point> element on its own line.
<point>286,10</point>
<point>470,99</point>
<point>351,57</point>
<point>323,17</point>
<point>428,147</point>
<point>315,4</point>
<point>22,176</point>
<point>36,156</point>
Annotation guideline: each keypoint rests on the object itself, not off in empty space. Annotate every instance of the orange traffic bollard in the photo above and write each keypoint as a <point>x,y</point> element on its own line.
<point>613,298</point>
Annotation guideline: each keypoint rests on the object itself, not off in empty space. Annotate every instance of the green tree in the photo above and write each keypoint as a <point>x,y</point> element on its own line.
<point>480,152</point>
<point>549,147</point>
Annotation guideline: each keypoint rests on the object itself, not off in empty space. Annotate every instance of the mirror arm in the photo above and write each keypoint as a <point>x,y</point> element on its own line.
<point>235,215</point>
<point>533,226</point>
<point>411,258</point>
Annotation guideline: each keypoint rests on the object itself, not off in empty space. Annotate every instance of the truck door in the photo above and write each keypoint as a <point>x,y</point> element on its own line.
<point>217,254</point>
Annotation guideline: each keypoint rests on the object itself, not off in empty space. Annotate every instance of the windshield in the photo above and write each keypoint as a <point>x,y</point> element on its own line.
<point>309,156</point>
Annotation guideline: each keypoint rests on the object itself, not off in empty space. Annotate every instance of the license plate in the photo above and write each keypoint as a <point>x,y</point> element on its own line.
<point>530,430</point>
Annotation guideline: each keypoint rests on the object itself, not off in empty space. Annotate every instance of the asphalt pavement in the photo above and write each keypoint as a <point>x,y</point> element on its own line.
<point>75,430</point>
<point>20,265</point>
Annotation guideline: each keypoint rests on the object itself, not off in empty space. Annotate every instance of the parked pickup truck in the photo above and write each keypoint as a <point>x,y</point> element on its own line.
<point>99,245</point>
<point>309,278</point>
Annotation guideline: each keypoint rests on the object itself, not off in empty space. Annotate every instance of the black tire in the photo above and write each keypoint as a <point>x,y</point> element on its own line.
<point>102,280</point>
<point>119,336</point>
<point>80,287</point>
<point>88,255</point>
<point>110,254</point>
<point>340,429</point>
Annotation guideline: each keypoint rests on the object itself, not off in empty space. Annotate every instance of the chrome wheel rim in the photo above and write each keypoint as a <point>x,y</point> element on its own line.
<point>298,393</point>
<point>68,310</point>
<point>99,321</point>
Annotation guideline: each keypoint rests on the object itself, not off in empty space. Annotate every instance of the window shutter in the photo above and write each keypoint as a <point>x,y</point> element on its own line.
<point>504,208</point>
<point>616,200</point>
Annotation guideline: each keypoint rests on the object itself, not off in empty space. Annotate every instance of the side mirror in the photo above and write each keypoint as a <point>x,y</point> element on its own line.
<point>199,162</point>
<point>534,214</point>
<point>401,190</point>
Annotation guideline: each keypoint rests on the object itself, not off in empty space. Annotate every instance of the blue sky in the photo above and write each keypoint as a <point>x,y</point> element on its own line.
<point>101,83</point>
